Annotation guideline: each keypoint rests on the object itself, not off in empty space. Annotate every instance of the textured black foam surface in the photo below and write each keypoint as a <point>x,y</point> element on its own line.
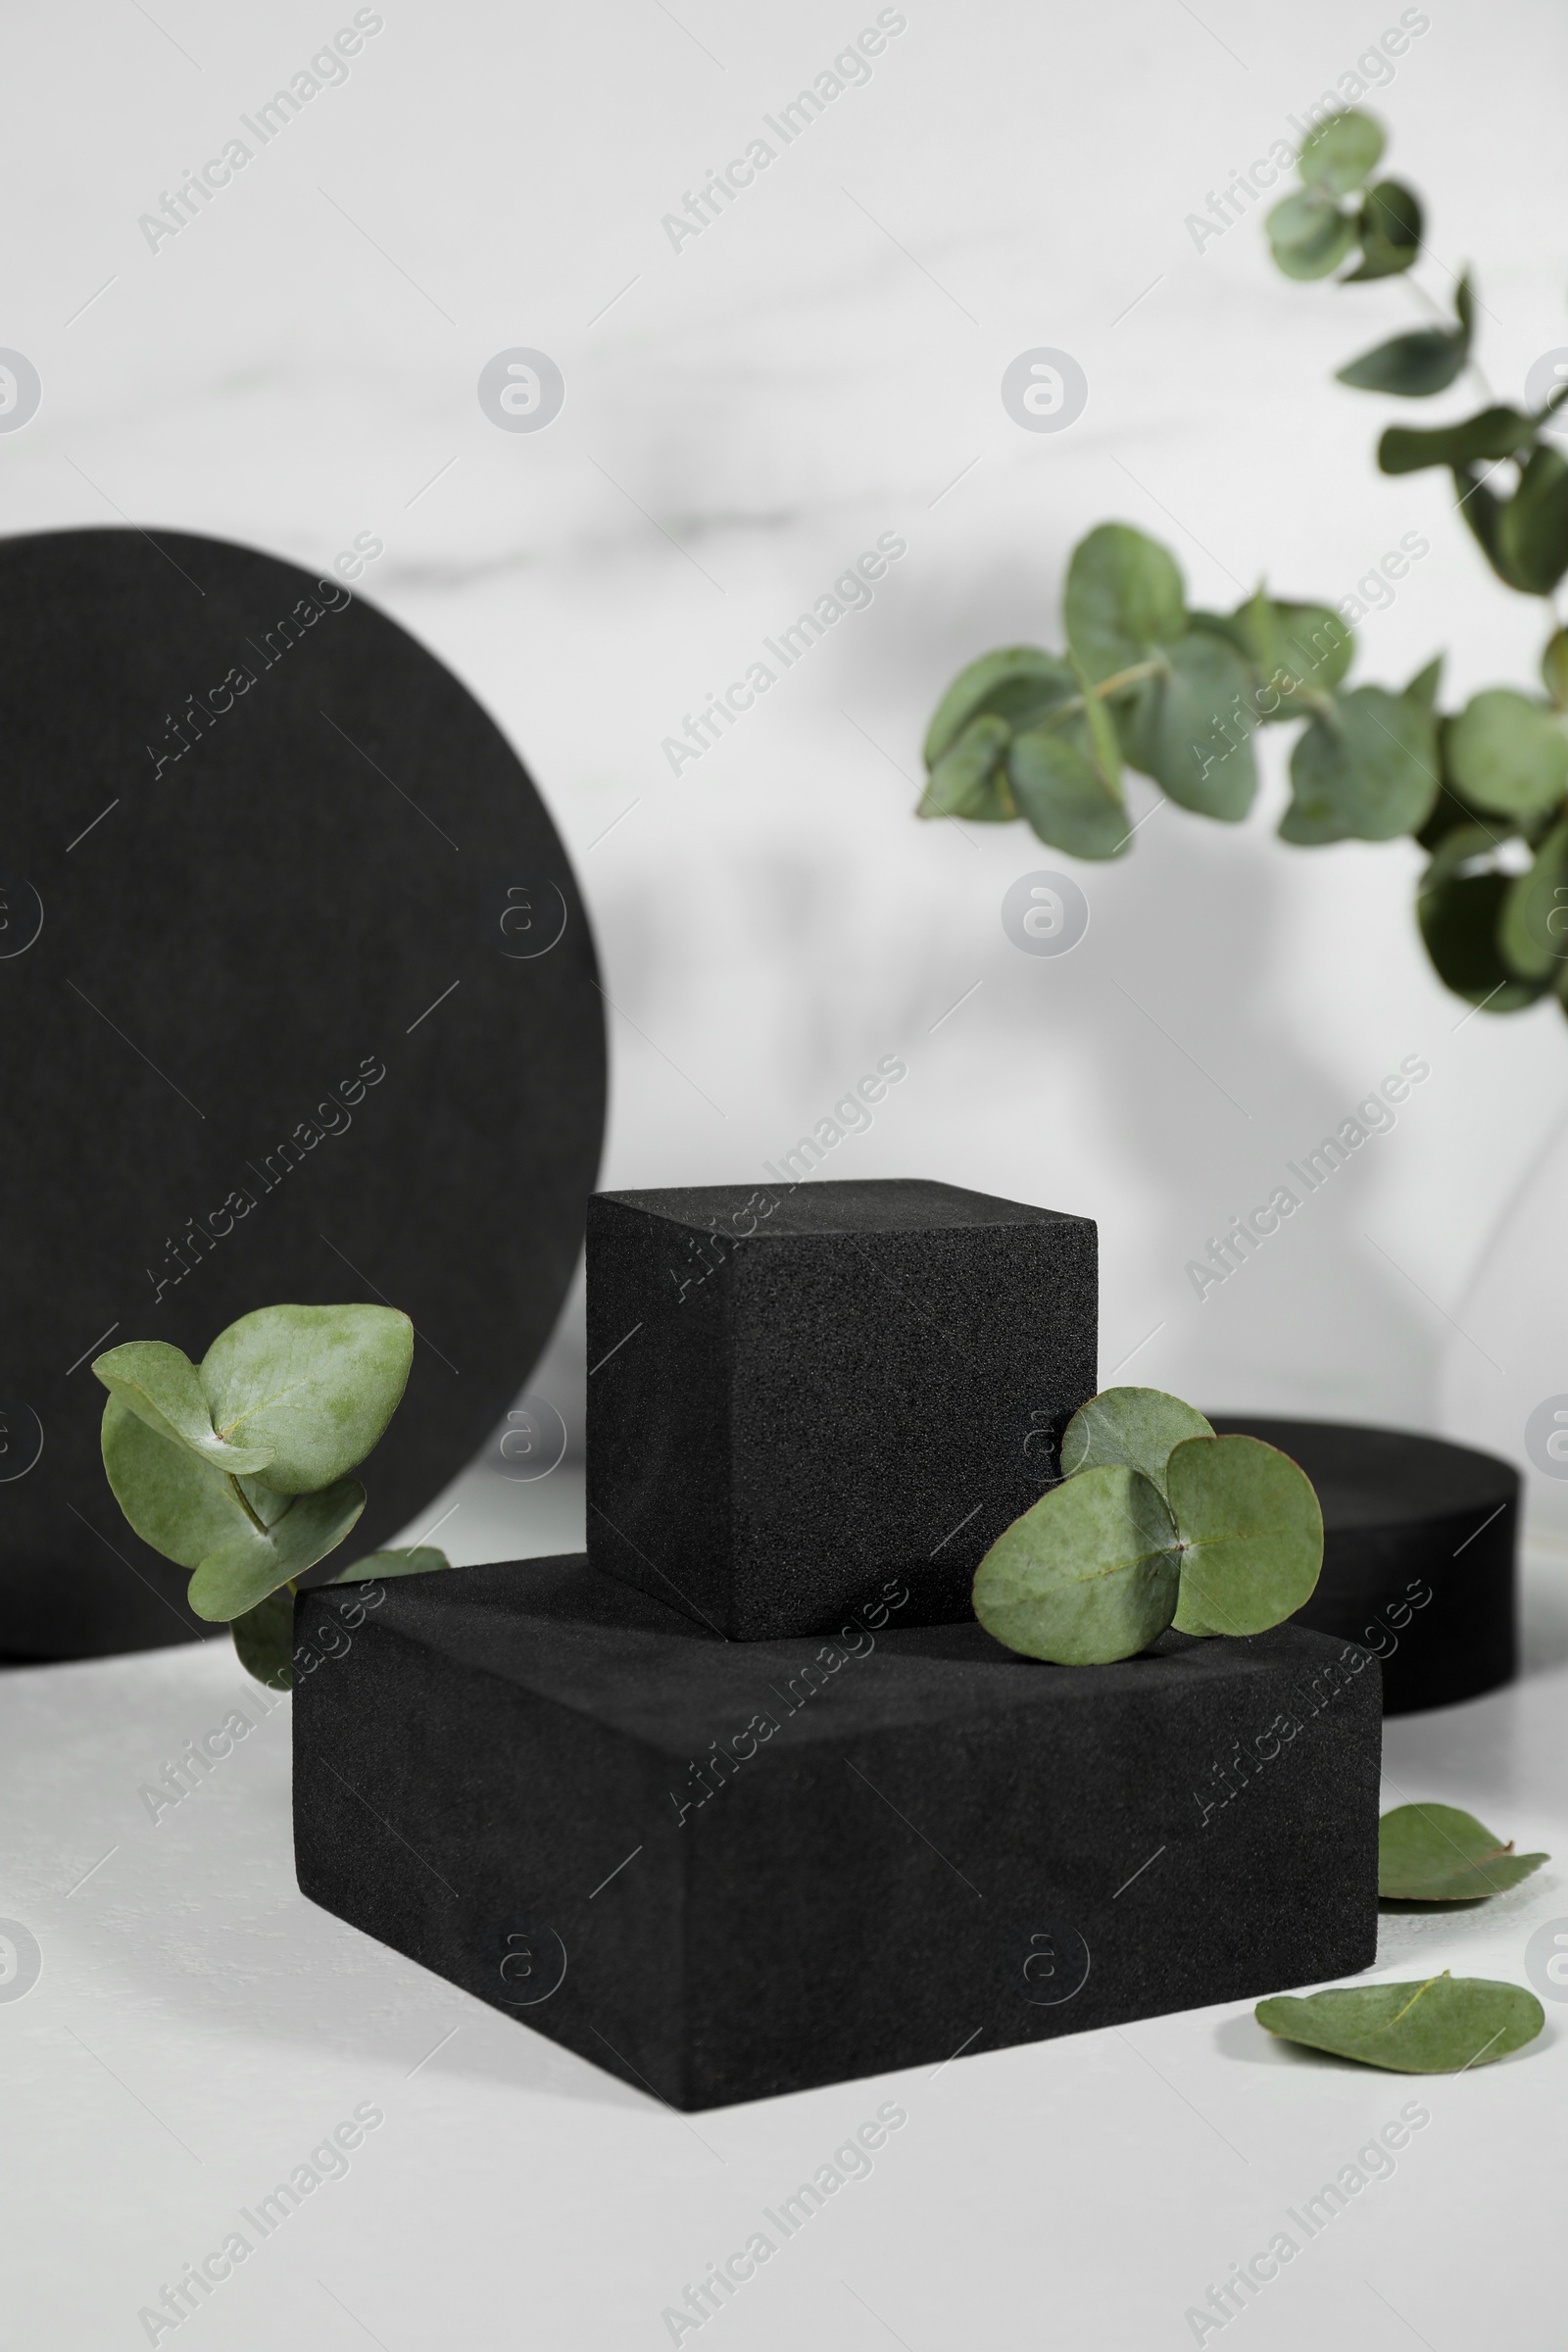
<point>500,1771</point>
<point>1420,1541</point>
<point>794,1393</point>
<point>233,936</point>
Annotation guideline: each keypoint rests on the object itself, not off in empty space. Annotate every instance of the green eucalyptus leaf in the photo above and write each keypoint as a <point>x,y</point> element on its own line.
<point>1088,1574</point>
<point>1308,234</point>
<point>970,779</point>
<point>263,1640</point>
<point>1532,527</point>
<point>1533,927</point>
<point>1417,364</point>
<point>1364,770</point>
<point>1124,599</point>
<point>1441,2027</point>
<point>1424,687</point>
<point>1436,1854</point>
<point>1252,1534</point>
<point>1460,918</point>
<point>1302,650</point>
<point>1019,684</point>
<point>176,1501</point>
<point>317,1384</point>
<point>1062,792</point>
<point>1554,668</point>
<point>1493,433</point>
<point>1450,816</point>
<point>420,1559</point>
<point>1065,777</point>
<point>1508,754</point>
<point>1189,727</point>
<point>1389,229</point>
<point>1137,1427</point>
<point>1229,625</point>
<point>161,1387</point>
<point>265,1502</point>
<point>248,1565</point>
<point>1466,848</point>
<point>1341,152</point>
<point>1484,513</point>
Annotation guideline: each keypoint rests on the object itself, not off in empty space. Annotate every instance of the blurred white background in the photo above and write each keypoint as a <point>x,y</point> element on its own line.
<point>744,416</point>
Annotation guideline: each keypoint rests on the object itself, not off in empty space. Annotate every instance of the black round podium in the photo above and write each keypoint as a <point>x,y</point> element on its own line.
<point>1420,1539</point>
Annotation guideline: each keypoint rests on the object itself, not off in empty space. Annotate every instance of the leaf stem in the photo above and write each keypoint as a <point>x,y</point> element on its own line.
<point>1133,675</point>
<point>243,1501</point>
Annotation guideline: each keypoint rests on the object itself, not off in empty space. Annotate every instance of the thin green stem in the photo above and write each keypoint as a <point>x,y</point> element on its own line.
<point>242,1499</point>
<point>1133,675</point>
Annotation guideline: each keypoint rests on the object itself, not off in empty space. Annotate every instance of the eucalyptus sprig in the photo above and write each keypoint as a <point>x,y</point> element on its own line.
<point>1146,682</point>
<point>237,1467</point>
<point>1157,1523</point>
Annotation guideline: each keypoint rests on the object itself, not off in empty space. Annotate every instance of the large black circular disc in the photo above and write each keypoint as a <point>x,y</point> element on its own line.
<point>297,1003</point>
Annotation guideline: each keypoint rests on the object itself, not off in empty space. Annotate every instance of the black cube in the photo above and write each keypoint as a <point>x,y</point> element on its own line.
<point>796,1393</point>
<point>725,1870</point>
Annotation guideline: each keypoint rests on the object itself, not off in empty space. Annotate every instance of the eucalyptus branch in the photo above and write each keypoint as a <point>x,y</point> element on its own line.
<point>1024,733</point>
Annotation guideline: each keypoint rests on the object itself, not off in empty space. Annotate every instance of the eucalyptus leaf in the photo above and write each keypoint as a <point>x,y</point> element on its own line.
<point>161,1387</point>
<point>1341,152</point>
<point>1490,434</point>
<point>248,1565</point>
<point>1308,234</point>
<point>1088,1575</point>
<point>420,1559</point>
<point>1460,918</point>
<point>1363,771</point>
<point>1191,726</point>
<point>1532,527</point>
<point>1065,778</point>
<point>317,1385</point>
<point>1484,513</point>
<point>1389,229</point>
<point>179,1503</point>
<point>263,1640</point>
<point>1508,754</point>
<point>1019,684</point>
<point>1437,1854</point>
<point>1302,650</point>
<point>1554,668</point>
<point>1533,927</point>
<point>1441,2027</point>
<point>1467,848</point>
<point>970,778</point>
<point>1137,1427</point>
<point>1252,1534</point>
<point>1418,363</point>
<point>1424,687</point>
<point>1124,599</point>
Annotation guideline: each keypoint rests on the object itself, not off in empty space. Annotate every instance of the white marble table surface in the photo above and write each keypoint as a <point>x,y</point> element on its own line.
<point>198,2028</point>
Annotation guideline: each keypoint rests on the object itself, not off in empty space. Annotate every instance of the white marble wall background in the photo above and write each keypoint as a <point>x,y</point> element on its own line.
<point>742,419</point>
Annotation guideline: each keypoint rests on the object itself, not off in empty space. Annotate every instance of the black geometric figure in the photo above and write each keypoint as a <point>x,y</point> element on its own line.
<point>1420,1541</point>
<point>297,1002</point>
<point>723,1870</point>
<point>796,1392</point>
